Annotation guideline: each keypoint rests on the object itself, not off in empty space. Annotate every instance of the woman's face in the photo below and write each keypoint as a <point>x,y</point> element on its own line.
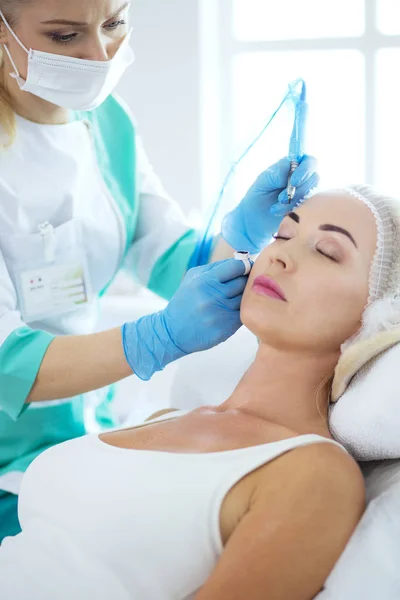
<point>323,274</point>
<point>88,29</point>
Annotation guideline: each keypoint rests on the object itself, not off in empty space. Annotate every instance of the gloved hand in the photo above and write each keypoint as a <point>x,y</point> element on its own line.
<point>251,225</point>
<point>204,312</point>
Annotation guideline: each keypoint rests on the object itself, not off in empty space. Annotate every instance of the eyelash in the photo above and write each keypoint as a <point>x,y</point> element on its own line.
<point>67,39</point>
<point>279,237</point>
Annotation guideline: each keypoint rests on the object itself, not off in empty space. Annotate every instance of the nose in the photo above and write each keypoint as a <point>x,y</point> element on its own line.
<point>98,49</point>
<point>282,256</point>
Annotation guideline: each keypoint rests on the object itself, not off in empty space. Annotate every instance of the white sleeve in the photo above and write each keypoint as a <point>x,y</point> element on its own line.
<point>161,222</point>
<point>10,317</point>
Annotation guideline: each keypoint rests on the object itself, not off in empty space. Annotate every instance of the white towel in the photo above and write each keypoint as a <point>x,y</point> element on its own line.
<point>365,416</point>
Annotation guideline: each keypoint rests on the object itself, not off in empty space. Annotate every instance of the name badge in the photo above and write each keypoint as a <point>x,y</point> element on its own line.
<point>51,290</point>
<point>56,285</point>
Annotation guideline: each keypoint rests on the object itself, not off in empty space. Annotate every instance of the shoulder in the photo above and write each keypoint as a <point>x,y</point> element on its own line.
<point>302,513</point>
<point>323,468</point>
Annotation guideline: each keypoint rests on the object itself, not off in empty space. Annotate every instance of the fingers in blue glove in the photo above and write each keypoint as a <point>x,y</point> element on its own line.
<point>233,288</point>
<point>234,303</point>
<point>226,270</point>
<point>282,207</point>
<point>305,188</point>
<point>307,167</point>
<point>301,190</point>
<point>197,271</point>
<point>278,174</point>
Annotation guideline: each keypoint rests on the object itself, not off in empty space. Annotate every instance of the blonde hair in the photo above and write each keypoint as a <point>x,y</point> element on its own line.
<point>7,111</point>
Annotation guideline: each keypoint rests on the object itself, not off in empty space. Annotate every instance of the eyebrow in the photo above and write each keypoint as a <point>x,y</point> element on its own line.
<point>327,227</point>
<point>82,23</point>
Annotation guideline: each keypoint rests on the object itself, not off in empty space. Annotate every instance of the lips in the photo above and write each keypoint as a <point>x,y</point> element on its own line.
<point>270,287</point>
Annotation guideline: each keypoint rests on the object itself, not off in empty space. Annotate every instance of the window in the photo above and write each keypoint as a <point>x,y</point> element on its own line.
<point>349,55</point>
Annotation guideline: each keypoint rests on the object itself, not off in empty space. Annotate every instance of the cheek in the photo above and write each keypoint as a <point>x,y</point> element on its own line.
<point>20,58</point>
<point>331,311</point>
<point>246,305</point>
<point>248,297</point>
<point>320,315</point>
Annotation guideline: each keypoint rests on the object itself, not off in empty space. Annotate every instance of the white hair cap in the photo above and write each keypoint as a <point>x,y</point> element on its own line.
<point>382,312</point>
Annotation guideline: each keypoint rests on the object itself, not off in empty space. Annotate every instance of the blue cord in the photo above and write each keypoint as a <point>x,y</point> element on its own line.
<point>202,253</point>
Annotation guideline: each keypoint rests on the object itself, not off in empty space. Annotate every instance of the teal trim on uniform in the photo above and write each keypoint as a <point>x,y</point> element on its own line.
<point>20,358</point>
<point>171,267</point>
<point>204,251</point>
<point>104,412</point>
<point>115,142</point>
<point>9,523</point>
<point>40,426</point>
<point>43,425</point>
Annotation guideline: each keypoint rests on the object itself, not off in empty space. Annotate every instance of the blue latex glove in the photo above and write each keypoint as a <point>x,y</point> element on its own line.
<point>251,225</point>
<point>204,312</point>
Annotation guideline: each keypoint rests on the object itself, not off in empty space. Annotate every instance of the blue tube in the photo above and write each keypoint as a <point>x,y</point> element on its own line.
<point>202,252</point>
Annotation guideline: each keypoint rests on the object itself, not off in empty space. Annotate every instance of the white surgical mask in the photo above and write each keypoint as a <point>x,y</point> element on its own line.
<point>72,83</point>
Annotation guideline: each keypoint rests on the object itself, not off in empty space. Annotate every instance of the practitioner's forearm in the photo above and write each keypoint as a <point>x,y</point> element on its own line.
<point>221,251</point>
<point>74,365</point>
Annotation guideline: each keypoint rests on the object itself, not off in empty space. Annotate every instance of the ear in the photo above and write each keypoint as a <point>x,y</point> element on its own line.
<point>3,33</point>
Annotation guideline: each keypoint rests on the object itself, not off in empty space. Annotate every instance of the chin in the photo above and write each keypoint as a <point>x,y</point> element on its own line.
<point>262,316</point>
<point>258,319</point>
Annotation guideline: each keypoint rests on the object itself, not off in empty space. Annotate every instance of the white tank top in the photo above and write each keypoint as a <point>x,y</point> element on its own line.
<point>107,523</point>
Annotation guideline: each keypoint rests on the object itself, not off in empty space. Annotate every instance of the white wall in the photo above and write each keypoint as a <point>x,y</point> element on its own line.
<point>163,90</point>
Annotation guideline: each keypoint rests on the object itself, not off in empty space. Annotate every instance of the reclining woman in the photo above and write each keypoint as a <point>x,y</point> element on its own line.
<point>251,499</point>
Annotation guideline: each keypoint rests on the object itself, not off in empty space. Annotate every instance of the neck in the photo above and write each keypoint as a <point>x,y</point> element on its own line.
<point>290,389</point>
<point>27,105</point>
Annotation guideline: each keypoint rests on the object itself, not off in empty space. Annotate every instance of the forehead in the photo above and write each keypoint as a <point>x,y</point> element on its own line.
<point>89,10</point>
<point>336,205</point>
<point>339,209</point>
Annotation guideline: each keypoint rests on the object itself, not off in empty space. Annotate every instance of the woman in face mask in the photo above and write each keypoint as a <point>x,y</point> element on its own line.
<point>78,199</point>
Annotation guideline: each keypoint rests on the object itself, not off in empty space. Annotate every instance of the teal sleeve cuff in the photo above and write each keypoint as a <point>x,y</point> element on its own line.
<point>171,267</point>
<point>204,250</point>
<point>21,356</point>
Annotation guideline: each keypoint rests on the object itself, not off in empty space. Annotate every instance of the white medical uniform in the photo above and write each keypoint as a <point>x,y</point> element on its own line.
<point>77,203</point>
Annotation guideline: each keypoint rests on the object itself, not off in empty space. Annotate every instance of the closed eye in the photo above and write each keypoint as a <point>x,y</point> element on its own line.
<point>280,237</point>
<point>327,256</point>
